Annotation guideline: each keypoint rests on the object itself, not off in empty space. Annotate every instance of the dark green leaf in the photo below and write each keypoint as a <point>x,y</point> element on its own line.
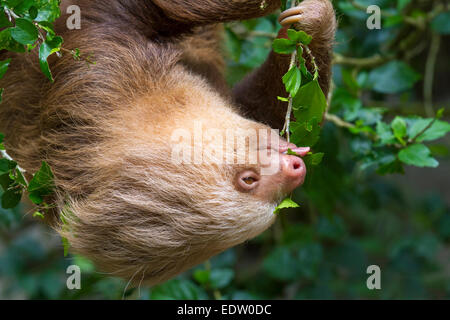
<point>11,198</point>
<point>42,182</point>
<point>25,32</point>
<point>202,276</point>
<point>47,48</point>
<point>5,181</point>
<point>36,198</point>
<point>309,102</point>
<point>385,133</point>
<point>220,278</point>
<point>4,21</point>
<point>314,159</point>
<point>393,77</point>
<point>307,133</point>
<point>178,289</point>
<point>398,125</point>
<point>48,10</point>
<point>292,80</point>
<point>4,67</point>
<point>8,43</point>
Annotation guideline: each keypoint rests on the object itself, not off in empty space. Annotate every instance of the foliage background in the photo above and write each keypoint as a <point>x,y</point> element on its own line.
<point>349,218</point>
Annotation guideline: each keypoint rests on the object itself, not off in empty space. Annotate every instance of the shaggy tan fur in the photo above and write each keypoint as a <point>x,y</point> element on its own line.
<point>105,130</point>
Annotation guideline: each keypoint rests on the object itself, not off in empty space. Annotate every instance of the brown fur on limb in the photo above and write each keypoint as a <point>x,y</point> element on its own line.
<point>106,131</point>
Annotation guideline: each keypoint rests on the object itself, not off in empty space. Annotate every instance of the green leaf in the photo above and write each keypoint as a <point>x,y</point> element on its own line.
<point>33,12</point>
<point>48,48</point>
<point>401,4</point>
<point>4,166</point>
<point>66,246</point>
<point>20,178</point>
<point>202,276</point>
<point>350,81</point>
<point>306,133</point>
<point>234,44</point>
<point>441,24</point>
<point>417,155</point>
<point>4,67</point>
<point>299,36</point>
<point>178,289</point>
<point>8,43</point>
<point>25,32</point>
<point>315,159</point>
<point>42,182</point>
<point>38,214</point>
<point>23,6</point>
<point>284,46</point>
<point>220,278</point>
<point>309,102</point>
<point>438,130</point>
<point>36,198</point>
<point>398,125</point>
<point>291,263</point>
<point>286,203</point>
<point>11,198</point>
<point>292,80</point>
<point>4,21</point>
<point>5,181</point>
<point>47,26</point>
<point>393,77</point>
<point>390,168</point>
<point>48,10</point>
<point>385,133</point>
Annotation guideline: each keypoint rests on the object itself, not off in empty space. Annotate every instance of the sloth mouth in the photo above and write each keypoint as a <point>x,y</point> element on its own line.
<point>284,147</point>
<point>300,151</point>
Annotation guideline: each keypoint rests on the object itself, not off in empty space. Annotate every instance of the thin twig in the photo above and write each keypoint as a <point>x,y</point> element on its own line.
<point>369,62</point>
<point>287,123</point>
<point>429,74</point>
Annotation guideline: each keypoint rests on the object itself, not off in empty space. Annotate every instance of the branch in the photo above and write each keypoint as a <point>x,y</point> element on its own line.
<point>338,121</point>
<point>287,123</point>
<point>369,62</point>
<point>429,73</point>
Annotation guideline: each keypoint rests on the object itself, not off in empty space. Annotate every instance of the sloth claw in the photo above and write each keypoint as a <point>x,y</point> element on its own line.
<point>290,12</point>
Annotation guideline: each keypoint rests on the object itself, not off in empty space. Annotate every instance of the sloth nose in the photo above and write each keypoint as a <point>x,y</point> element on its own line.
<point>293,170</point>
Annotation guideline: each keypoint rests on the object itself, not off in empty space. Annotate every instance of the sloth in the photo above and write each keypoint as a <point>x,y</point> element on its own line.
<point>136,141</point>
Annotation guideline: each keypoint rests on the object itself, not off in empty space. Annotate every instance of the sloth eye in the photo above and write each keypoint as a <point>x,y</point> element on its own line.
<point>249,180</point>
